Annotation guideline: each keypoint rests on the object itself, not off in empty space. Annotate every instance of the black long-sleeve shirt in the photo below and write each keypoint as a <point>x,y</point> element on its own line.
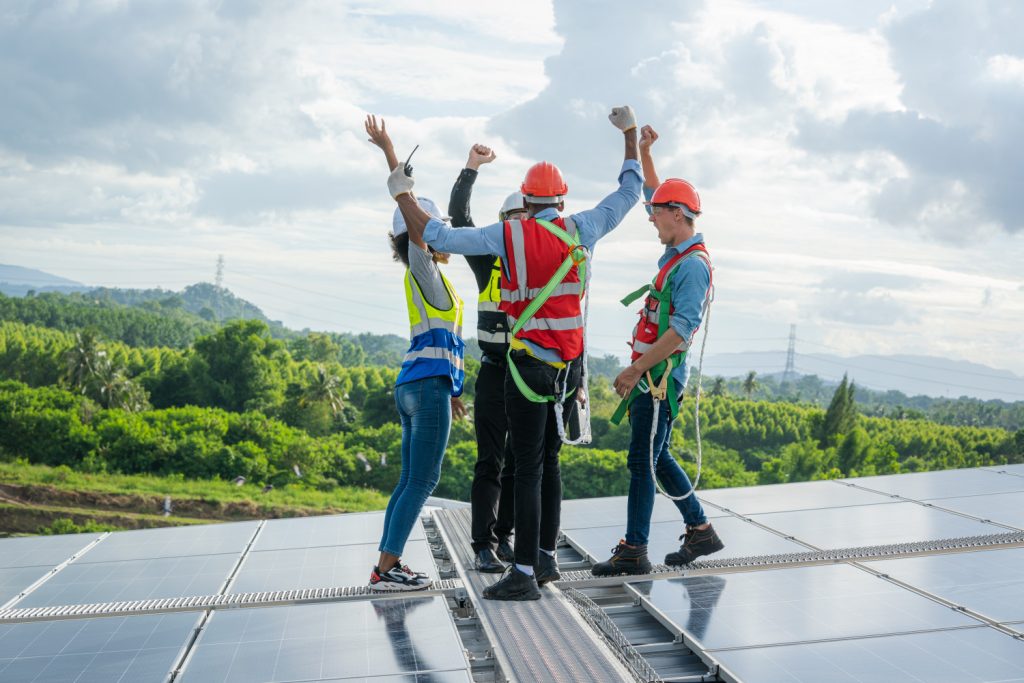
<point>458,209</point>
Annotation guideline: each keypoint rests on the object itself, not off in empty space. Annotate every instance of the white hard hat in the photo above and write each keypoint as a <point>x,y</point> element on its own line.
<point>398,222</point>
<point>513,202</point>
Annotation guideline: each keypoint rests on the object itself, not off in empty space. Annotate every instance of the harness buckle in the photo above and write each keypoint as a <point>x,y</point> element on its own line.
<point>658,391</point>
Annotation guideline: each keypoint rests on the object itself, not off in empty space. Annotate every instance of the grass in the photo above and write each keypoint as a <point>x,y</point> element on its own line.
<point>340,499</point>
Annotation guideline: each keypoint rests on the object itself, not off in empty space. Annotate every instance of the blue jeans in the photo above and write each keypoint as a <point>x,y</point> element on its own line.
<point>672,477</point>
<point>426,413</point>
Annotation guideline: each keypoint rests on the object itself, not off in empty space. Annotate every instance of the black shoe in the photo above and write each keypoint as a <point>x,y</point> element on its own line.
<point>695,544</point>
<point>625,559</point>
<point>505,552</point>
<point>547,568</point>
<point>487,562</point>
<point>515,585</point>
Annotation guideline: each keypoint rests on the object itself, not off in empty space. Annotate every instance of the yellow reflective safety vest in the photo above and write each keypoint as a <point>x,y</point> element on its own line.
<point>491,323</point>
<point>436,349</point>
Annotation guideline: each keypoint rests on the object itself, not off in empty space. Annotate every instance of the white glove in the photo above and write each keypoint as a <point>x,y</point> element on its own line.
<point>623,118</point>
<point>398,182</point>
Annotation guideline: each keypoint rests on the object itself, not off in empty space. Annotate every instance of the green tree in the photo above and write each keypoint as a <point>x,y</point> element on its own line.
<point>718,388</point>
<point>750,383</point>
<point>841,415</point>
<point>238,367</point>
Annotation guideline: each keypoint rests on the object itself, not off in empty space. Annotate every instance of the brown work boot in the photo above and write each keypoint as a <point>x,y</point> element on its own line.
<point>695,544</point>
<point>625,559</point>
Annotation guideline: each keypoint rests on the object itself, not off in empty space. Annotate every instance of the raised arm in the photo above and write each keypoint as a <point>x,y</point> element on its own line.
<point>648,136</point>
<point>458,204</point>
<point>624,119</point>
<point>379,136</point>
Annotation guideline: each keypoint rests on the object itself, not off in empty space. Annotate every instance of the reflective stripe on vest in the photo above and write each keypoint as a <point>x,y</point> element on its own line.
<point>533,256</point>
<point>491,323</point>
<point>436,348</point>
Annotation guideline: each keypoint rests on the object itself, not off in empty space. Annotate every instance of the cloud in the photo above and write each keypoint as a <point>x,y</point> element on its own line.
<point>958,135</point>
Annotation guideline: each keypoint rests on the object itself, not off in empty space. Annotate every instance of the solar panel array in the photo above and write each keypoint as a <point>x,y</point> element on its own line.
<point>369,639</point>
<point>940,616</point>
<point>947,616</point>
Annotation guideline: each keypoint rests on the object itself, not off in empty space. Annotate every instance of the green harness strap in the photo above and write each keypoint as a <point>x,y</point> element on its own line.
<point>573,243</point>
<point>657,373</point>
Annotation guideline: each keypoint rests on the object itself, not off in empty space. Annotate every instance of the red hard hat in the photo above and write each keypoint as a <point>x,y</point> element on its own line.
<point>544,184</point>
<point>678,193</point>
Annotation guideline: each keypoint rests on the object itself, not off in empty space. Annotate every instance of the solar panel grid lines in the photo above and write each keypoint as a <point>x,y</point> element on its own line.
<point>53,571</point>
<point>938,484</point>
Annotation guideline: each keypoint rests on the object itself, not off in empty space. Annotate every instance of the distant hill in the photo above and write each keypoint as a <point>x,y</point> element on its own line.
<point>203,299</point>
<point>911,375</point>
<point>19,281</point>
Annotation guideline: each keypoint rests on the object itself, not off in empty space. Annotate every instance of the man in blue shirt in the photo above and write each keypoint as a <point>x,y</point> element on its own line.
<point>673,208</point>
<point>533,437</point>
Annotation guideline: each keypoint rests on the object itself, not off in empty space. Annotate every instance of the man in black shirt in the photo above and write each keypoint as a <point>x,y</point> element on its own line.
<point>492,495</point>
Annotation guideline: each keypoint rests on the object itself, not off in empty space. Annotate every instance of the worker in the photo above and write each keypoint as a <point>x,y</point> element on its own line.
<point>490,496</point>
<point>428,385</point>
<point>673,309</point>
<point>546,348</point>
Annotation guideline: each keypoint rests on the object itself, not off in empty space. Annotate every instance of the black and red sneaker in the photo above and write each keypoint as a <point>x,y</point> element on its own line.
<point>396,579</point>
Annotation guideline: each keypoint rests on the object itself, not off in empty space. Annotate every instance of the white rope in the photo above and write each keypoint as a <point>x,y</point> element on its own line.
<point>706,320</point>
<point>584,408</point>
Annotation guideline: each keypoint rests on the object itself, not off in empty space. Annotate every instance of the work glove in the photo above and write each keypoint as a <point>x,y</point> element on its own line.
<point>399,182</point>
<point>623,118</point>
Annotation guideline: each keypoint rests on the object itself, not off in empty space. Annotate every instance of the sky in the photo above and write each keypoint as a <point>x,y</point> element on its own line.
<point>860,164</point>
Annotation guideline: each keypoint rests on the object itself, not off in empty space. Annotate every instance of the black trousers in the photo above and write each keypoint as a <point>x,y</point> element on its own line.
<point>535,444</point>
<point>491,496</point>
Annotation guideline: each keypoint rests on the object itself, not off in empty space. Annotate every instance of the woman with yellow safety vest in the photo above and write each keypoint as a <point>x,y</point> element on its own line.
<point>427,388</point>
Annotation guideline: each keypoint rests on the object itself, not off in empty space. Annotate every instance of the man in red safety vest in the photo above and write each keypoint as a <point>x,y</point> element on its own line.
<point>543,280</point>
<point>675,304</point>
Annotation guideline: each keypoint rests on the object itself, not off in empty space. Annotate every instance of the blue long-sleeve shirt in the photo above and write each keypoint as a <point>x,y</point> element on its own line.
<point>593,224</point>
<point>689,287</point>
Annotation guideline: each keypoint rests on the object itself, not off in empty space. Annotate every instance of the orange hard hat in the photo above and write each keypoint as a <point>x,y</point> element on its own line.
<point>544,184</point>
<point>677,193</point>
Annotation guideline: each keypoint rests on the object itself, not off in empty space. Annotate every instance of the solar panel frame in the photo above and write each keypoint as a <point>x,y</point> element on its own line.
<point>13,580</point>
<point>181,541</point>
<point>942,484</point>
<point>807,495</point>
<point>328,530</point>
<point>37,551</point>
<point>585,513</point>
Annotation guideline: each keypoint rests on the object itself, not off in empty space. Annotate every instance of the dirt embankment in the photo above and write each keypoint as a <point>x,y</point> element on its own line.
<point>26,508</point>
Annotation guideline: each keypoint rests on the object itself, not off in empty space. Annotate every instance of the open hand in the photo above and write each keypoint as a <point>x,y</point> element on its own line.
<point>648,136</point>
<point>626,380</point>
<point>480,155</point>
<point>378,133</point>
<point>458,409</point>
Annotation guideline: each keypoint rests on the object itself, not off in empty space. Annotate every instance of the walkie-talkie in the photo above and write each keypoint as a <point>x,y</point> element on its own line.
<point>408,168</point>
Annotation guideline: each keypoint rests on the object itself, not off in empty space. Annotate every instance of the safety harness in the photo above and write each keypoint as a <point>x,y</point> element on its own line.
<point>578,255</point>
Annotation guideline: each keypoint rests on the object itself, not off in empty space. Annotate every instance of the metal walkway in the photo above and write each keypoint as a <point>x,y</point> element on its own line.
<point>543,640</point>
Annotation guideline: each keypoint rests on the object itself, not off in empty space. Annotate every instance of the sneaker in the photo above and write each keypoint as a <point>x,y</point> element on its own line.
<point>625,559</point>
<point>515,585</point>
<point>486,562</point>
<point>396,579</point>
<point>695,544</point>
<point>505,552</point>
<point>407,570</point>
<point>547,568</point>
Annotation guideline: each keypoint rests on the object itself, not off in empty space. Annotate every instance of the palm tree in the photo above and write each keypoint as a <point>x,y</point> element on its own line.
<point>324,388</point>
<point>750,383</point>
<point>718,388</point>
<point>85,361</point>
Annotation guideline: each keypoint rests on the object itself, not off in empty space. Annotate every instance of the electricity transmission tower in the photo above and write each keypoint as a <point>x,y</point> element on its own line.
<point>219,280</point>
<point>789,374</point>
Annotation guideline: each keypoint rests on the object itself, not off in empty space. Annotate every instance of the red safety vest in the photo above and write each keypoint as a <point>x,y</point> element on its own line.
<point>651,326</point>
<point>532,255</point>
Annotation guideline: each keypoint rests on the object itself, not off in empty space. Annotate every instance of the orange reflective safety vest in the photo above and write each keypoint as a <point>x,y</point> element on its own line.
<point>654,322</point>
<point>532,256</point>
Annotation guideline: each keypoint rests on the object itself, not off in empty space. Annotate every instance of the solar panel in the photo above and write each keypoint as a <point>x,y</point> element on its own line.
<point>1004,508</point>
<point>866,525</point>
<point>741,539</point>
<point>13,580</point>
<point>795,605</point>
<point>585,513</point>
<point>943,484</point>
<point>143,544</point>
<point>337,641</point>
<point>36,551</point>
<point>989,582</point>
<point>977,655</point>
<point>1017,469</point>
<point>167,577</point>
<point>137,649</point>
<point>308,532</point>
<point>348,565</point>
<point>782,497</point>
